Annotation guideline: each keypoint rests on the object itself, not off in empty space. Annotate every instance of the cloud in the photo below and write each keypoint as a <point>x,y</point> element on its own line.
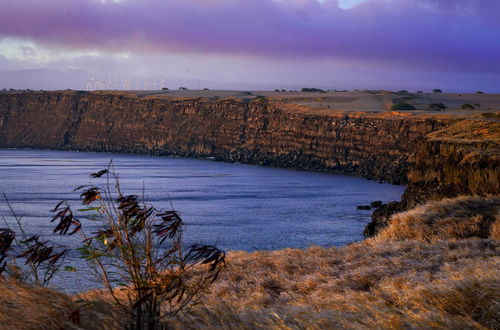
<point>450,35</point>
<point>27,51</point>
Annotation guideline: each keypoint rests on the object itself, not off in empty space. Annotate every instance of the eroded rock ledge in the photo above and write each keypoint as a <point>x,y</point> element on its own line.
<point>460,159</point>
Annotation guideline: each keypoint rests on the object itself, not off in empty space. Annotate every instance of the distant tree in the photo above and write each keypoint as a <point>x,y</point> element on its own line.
<point>420,92</point>
<point>261,98</point>
<point>437,90</point>
<point>164,88</point>
<point>403,106</point>
<point>437,107</point>
<point>205,89</point>
<point>480,92</point>
<point>276,90</point>
<point>468,106</point>
<point>283,90</point>
<point>183,89</point>
<point>403,91</point>
<point>312,90</point>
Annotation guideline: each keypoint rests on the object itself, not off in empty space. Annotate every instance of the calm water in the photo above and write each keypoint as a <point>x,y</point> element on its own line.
<point>234,206</point>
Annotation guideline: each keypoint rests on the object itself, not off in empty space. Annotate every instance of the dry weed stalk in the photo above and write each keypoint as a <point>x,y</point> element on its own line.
<point>140,249</point>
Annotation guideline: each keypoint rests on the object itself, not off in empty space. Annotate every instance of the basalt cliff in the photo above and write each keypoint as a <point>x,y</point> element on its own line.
<point>435,155</point>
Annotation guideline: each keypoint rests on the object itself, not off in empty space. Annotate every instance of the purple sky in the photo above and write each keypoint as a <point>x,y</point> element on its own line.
<point>391,44</point>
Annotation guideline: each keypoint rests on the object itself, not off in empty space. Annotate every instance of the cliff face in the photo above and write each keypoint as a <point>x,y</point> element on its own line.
<point>436,157</point>
<point>248,131</point>
<point>460,159</point>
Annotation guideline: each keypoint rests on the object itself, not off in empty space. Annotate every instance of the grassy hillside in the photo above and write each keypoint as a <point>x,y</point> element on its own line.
<point>437,266</point>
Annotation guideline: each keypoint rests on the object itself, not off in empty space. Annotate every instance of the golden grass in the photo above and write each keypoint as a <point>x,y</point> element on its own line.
<point>366,285</point>
<point>462,217</point>
<point>28,308</point>
<point>471,131</point>
<point>423,281</point>
<point>23,307</point>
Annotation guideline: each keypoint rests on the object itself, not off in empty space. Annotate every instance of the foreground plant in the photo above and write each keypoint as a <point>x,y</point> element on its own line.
<point>137,252</point>
<point>30,259</point>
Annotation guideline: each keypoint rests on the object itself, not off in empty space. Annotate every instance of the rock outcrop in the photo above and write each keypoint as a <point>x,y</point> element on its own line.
<point>460,159</point>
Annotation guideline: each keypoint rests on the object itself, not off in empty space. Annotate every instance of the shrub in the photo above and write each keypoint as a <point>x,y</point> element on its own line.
<point>403,106</point>
<point>480,92</point>
<point>437,107</point>
<point>164,88</point>
<point>137,247</point>
<point>403,91</point>
<point>468,106</point>
<point>42,259</point>
<point>183,89</point>
<point>420,92</point>
<point>260,98</point>
<point>437,90</point>
<point>312,90</point>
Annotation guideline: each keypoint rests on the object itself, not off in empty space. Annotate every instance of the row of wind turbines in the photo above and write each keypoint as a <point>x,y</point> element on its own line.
<point>94,84</point>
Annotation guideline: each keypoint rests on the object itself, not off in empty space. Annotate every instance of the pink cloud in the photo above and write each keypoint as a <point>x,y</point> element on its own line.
<point>455,35</point>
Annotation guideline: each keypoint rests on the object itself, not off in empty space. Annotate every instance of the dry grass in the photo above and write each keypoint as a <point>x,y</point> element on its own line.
<point>27,308</point>
<point>462,217</point>
<point>23,307</point>
<point>423,281</point>
<point>472,131</point>
<point>365,285</point>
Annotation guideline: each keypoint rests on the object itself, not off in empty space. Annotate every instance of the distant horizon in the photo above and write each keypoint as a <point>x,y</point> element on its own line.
<point>297,90</point>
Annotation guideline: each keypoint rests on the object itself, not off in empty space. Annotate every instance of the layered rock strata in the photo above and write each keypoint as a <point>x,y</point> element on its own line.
<point>437,156</point>
<point>248,131</point>
<point>460,159</point>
